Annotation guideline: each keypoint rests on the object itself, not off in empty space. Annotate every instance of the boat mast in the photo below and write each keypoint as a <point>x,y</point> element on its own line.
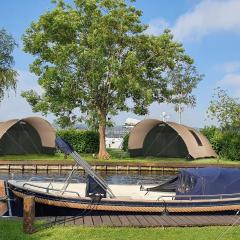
<point>68,149</point>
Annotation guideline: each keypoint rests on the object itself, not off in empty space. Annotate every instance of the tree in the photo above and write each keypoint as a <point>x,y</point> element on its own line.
<point>225,109</point>
<point>93,56</point>
<point>7,74</point>
<point>183,78</point>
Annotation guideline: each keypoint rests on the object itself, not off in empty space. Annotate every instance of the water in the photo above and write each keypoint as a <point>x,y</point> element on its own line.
<point>110,177</point>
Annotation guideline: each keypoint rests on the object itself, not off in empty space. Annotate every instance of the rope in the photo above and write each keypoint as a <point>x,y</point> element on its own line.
<point>91,206</point>
<point>126,208</point>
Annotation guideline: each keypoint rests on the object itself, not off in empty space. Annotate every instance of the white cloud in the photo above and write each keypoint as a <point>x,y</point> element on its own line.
<point>230,67</point>
<point>157,26</point>
<point>231,77</point>
<point>13,105</point>
<point>207,17</point>
<point>231,80</point>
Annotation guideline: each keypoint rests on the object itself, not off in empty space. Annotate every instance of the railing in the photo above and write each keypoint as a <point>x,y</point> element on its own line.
<point>200,197</point>
<point>51,189</point>
<point>52,179</point>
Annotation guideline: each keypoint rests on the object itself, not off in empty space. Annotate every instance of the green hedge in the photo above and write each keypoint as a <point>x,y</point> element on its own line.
<point>215,137</point>
<point>231,146</point>
<point>225,143</point>
<point>83,141</point>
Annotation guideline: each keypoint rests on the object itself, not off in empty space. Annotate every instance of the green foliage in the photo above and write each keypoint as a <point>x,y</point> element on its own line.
<point>231,143</point>
<point>64,122</point>
<point>7,74</point>
<point>225,142</point>
<point>125,143</point>
<point>82,141</point>
<point>225,109</point>
<point>184,78</point>
<point>92,56</point>
<point>215,137</point>
<point>226,139</point>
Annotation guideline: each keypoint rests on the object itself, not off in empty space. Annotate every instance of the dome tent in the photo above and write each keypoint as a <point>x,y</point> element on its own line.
<point>152,137</point>
<point>27,136</point>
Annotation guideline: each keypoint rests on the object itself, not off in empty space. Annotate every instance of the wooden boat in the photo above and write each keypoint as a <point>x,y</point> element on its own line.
<point>193,190</point>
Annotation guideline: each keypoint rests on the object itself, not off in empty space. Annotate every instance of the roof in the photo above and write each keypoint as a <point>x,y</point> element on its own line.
<point>189,135</point>
<point>45,130</point>
<point>131,121</point>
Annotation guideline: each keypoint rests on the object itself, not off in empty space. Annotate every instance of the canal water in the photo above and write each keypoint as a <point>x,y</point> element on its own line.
<point>111,177</point>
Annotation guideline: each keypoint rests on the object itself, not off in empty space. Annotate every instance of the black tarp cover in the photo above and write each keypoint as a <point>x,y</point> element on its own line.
<point>208,181</point>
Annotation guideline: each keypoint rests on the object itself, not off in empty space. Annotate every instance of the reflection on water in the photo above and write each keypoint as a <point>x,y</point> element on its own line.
<point>111,177</point>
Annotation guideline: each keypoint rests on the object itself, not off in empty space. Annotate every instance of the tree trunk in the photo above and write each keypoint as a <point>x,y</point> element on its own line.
<point>102,154</point>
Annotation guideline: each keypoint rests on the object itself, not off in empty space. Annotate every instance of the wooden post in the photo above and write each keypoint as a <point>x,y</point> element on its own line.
<point>3,205</point>
<point>28,214</point>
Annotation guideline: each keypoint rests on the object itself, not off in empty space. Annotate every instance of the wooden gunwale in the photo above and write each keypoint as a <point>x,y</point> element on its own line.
<point>125,208</point>
<point>137,200</point>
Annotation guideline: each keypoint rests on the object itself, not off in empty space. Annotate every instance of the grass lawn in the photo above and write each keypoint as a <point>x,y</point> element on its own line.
<point>116,156</point>
<point>12,230</point>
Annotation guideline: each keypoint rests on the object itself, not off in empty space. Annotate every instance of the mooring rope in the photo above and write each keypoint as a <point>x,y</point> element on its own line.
<point>90,207</point>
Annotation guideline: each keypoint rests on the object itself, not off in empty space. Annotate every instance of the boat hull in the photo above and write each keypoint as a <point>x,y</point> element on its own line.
<point>55,205</point>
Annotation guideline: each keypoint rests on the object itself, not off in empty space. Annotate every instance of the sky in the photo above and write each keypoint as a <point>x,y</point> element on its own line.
<point>208,29</point>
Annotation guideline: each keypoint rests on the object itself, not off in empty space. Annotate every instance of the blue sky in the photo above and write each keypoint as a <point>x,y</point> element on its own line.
<point>208,29</point>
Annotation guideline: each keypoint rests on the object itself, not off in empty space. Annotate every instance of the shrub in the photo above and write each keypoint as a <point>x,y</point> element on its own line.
<point>125,143</point>
<point>215,137</point>
<point>231,145</point>
<point>83,141</point>
<point>209,131</point>
<point>225,142</point>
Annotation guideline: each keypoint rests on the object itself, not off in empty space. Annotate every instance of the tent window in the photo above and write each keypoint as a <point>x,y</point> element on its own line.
<point>196,137</point>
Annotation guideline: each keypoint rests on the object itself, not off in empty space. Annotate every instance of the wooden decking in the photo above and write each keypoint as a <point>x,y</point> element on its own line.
<point>146,220</point>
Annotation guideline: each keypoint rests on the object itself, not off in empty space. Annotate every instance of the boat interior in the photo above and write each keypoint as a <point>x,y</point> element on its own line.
<point>78,190</point>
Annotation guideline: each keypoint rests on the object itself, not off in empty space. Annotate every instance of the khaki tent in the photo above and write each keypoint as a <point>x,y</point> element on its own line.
<point>26,136</point>
<point>152,137</point>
